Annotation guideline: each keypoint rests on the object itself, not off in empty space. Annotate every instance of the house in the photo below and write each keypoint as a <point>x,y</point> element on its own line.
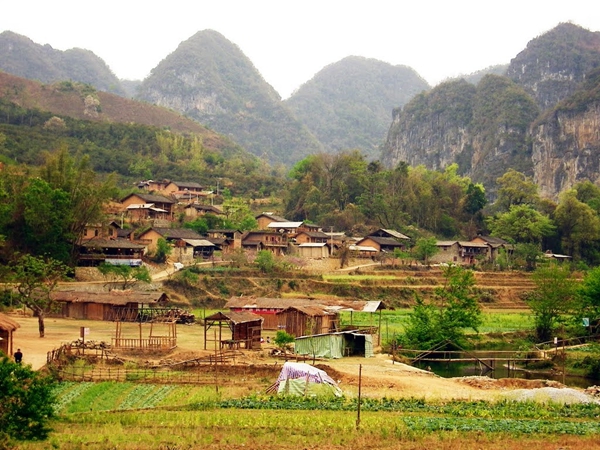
<point>381,244</point>
<point>305,320</point>
<point>245,329</point>
<point>225,240</point>
<point>314,250</point>
<point>311,237</point>
<point>152,185</point>
<point>272,241</point>
<point>335,345</point>
<point>186,242</point>
<point>383,232</point>
<point>268,308</point>
<point>175,188</point>
<point>7,328</point>
<point>264,219</point>
<point>448,253</point>
<point>93,252</point>
<point>495,244</point>
<point>461,252</point>
<point>148,206</point>
<point>99,230</point>
<point>195,210</point>
<point>113,305</point>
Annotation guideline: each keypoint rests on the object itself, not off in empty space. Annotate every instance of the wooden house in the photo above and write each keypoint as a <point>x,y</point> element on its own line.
<point>244,330</point>
<point>311,237</point>
<point>113,305</point>
<point>7,328</point>
<point>264,219</point>
<point>272,241</point>
<point>148,206</point>
<point>225,240</point>
<point>195,210</point>
<point>186,242</point>
<point>494,244</point>
<point>381,244</point>
<point>307,320</point>
<point>93,252</point>
<point>388,233</point>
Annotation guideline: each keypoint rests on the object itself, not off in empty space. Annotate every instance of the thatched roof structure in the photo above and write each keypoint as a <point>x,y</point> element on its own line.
<point>110,298</point>
<point>8,324</point>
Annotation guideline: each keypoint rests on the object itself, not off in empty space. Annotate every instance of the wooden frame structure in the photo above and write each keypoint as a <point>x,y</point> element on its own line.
<point>7,328</point>
<point>164,318</point>
<point>245,327</point>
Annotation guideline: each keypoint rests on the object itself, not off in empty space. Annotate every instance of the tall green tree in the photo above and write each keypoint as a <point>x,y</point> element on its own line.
<point>552,299</point>
<point>522,223</point>
<point>577,223</point>
<point>425,248</point>
<point>124,275</point>
<point>515,188</point>
<point>35,278</point>
<point>454,309</point>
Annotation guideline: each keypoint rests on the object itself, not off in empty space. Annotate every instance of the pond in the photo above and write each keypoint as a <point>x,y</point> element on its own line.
<point>460,369</point>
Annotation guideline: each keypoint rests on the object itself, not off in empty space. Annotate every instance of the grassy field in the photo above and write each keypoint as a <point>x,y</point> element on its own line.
<point>134,416</point>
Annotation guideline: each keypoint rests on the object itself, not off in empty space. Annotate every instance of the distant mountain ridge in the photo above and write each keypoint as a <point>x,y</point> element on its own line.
<point>21,56</point>
<point>348,104</point>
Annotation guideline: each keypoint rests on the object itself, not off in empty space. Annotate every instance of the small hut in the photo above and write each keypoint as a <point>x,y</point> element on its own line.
<point>304,320</point>
<point>7,328</point>
<point>245,327</point>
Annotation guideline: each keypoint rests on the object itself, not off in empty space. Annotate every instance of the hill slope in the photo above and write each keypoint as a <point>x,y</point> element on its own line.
<point>210,80</point>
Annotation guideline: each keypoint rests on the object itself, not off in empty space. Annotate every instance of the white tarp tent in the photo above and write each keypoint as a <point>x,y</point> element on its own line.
<point>303,379</point>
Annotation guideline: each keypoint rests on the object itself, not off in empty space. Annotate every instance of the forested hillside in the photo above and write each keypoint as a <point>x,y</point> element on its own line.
<point>348,104</point>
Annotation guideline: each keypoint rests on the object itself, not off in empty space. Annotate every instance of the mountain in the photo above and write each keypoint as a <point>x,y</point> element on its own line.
<point>566,140</point>
<point>21,56</point>
<point>554,64</point>
<point>511,121</point>
<point>347,105</point>
<point>210,80</point>
<point>475,77</point>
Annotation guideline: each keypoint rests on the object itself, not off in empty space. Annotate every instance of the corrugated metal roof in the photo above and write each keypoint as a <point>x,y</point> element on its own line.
<point>284,225</point>
<point>282,303</point>
<point>235,317</point>
<point>313,244</point>
<point>199,242</point>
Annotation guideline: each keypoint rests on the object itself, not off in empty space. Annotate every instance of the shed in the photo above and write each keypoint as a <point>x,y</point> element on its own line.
<point>245,327</point>
<point>7,328</point>
<point>314,250</point>
<point>113,305</point>
<point>335,345</point>
<point>303,320</point>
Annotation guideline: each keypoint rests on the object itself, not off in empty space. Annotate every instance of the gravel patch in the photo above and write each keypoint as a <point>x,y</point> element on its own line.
<point>550,395</point>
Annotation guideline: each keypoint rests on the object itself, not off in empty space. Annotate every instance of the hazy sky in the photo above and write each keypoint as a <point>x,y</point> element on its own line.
<point>289,41</point>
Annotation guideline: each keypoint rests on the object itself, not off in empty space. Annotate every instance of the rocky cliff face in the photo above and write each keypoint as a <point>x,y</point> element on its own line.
<point>482,128</point>
<point>501,123</point>
<point>566,149</point>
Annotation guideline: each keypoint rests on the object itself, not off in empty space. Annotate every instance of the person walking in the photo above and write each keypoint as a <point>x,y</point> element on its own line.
<point>18,356</point>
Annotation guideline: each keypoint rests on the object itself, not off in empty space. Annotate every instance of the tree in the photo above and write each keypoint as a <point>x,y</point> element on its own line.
<point>163,250</point>
<point>124,274</point>
<point>588,295</point>
<point>577,223</point>
<point>522,223</point>
<point>425,248</point>
<point>453,309</point>
<point>552,298</point>
<point>283,340</point>
<point>26,402</point>
<point>36,278</point>
<point>265,261</point>
<point>515,188</point>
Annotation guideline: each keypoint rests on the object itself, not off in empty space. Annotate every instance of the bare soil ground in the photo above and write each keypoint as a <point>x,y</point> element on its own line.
<point>380,375</point>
